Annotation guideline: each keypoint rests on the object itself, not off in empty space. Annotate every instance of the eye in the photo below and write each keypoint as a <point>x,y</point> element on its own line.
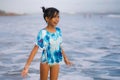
<point>58,16</point>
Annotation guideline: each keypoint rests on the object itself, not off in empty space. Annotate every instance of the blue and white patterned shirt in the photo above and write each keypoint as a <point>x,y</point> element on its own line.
<point>51,45</point>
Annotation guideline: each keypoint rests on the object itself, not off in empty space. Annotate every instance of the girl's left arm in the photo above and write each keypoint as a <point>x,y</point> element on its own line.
<point>66,60</point>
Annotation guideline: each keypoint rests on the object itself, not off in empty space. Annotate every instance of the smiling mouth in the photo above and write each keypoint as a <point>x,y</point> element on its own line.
<point>55,22</point>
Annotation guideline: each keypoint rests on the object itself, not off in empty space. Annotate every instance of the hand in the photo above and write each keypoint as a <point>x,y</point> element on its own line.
<point>67,62</point>
<point>24,72</point>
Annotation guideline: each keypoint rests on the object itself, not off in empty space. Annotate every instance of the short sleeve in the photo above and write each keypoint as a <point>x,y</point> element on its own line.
<point>61,40</point>
<point>59,31</point>
<point>39,39</point>
<point>60,35</point>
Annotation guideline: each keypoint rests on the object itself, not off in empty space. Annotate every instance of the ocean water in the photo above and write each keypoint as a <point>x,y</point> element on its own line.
<point>91,42</point>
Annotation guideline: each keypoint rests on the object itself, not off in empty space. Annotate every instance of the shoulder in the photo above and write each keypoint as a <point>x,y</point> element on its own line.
<point>58,29</point>
<point>42,32</point>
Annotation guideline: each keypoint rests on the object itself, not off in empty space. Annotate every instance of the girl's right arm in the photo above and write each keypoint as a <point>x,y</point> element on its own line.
<point>32,54</point>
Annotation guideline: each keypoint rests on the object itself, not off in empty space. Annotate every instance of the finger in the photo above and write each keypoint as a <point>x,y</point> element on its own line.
<point>24,74</point>
<point>70,64</point>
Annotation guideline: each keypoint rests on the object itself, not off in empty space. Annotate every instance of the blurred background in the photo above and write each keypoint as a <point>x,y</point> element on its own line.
<point>68,6</point>
<point>91,40</point>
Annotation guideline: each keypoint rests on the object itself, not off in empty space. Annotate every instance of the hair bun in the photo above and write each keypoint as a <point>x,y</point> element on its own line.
<point>43,8</point>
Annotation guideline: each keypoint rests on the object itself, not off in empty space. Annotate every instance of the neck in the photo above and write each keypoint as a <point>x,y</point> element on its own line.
<point>50,28</point>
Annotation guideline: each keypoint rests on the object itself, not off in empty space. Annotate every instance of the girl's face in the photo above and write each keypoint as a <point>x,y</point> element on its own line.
<point>53,21</point>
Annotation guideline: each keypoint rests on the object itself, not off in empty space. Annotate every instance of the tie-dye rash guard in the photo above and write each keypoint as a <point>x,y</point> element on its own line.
<point>51,46</point>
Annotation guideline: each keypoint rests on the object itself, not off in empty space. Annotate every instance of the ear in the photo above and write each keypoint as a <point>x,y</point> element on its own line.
<point>47,19</point>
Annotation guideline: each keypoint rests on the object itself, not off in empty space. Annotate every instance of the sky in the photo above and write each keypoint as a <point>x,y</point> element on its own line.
<point>68,6</point>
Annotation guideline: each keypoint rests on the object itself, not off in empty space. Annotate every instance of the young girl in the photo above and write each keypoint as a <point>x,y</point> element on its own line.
<point>50,40</point>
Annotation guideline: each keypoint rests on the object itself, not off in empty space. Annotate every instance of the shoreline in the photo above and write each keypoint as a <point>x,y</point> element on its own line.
<point>12,14</point>
<point>3,13</point>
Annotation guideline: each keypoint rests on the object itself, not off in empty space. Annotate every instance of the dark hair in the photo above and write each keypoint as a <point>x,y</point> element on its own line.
<point>49,12</point>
